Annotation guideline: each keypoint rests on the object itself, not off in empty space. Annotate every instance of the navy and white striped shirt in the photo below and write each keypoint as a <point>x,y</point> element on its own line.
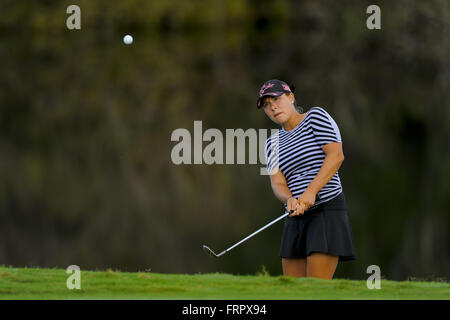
<point>299,156</point>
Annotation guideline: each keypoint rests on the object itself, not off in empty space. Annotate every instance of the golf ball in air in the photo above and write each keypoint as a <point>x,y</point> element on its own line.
<point>128,39</point>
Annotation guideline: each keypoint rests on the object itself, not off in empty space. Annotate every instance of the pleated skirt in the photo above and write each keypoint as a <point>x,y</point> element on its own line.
<point>325,228</point>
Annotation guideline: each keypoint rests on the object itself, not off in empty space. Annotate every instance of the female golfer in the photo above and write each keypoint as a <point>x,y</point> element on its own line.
<point>303,159</point>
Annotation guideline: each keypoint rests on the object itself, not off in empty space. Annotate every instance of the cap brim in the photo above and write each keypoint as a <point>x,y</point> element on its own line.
<point>270,94</point>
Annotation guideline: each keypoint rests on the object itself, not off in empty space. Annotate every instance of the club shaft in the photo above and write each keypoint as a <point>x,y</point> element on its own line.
<point>257,231</point>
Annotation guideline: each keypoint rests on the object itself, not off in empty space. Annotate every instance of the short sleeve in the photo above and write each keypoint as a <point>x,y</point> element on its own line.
<point>324,128</point>
<point>271,151</point>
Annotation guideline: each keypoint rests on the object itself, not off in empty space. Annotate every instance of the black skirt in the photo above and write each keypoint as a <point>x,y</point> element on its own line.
<point>325,228</point>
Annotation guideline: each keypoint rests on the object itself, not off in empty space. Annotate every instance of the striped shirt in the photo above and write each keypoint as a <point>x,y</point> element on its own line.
<point>299,156</point>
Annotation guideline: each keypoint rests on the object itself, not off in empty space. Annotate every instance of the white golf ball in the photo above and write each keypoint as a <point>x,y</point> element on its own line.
<point>128,39</point>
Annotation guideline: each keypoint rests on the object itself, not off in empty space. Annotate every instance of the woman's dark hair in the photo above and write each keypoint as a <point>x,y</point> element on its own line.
<point>297,107</point>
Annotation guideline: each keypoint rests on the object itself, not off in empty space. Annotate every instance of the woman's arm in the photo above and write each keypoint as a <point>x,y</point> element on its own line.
<point>331,164</point>
<point>333,160</point>
<point>281,190</point>
<point>279,186</point>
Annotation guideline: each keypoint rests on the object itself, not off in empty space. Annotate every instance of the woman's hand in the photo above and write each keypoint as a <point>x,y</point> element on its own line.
<point>304,202</point>
<point>292,204</point>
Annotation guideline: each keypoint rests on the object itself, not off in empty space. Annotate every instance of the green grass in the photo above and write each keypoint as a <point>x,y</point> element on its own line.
<point>35,283</point>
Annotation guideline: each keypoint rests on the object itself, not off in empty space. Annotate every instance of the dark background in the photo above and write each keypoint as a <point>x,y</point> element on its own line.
<point>86,176</point>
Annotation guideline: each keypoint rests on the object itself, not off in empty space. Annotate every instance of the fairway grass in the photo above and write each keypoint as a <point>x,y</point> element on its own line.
<point>36,283</point>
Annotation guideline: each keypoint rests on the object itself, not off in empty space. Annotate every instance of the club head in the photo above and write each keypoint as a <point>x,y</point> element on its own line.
<point>209,252</point>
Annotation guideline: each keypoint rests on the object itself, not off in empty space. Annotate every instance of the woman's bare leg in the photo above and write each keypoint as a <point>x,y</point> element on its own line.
<point>294,267</point>
<point>321,265</point>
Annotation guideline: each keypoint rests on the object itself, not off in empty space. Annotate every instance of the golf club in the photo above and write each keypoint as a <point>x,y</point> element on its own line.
<point>213,254</point>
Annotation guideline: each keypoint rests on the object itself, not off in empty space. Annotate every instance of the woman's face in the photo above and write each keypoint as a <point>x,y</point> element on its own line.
<point>279,109</point>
